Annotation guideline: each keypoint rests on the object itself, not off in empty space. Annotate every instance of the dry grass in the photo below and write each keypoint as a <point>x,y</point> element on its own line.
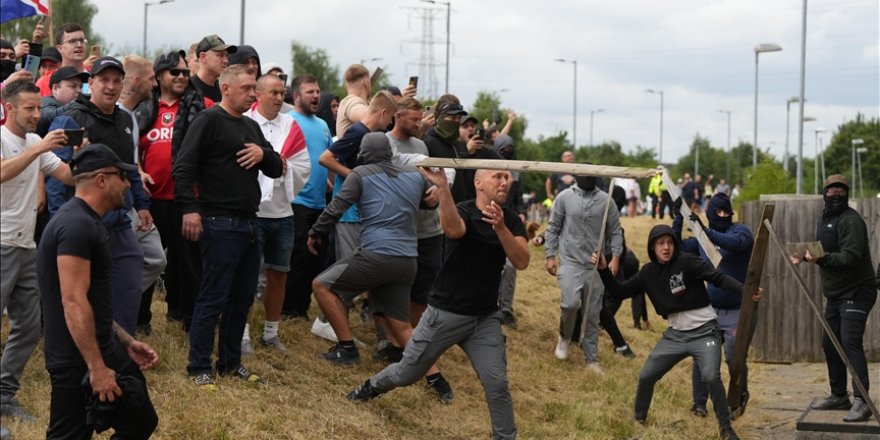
<point>304,397</point>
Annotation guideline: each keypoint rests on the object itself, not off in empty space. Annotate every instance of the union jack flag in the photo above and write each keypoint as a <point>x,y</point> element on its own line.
<point>12,9</point>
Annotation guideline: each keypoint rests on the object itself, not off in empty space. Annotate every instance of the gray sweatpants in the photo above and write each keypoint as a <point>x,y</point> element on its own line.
<point>574,283</point>
<point>154,254</point>
<point>481,339</point>
<point>704,344</point>
<point>20,296</point>
<point>728,320</point>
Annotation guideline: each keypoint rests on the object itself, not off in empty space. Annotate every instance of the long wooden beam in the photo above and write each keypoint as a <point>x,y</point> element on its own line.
<point>547,167</point>
<point>702,238</point>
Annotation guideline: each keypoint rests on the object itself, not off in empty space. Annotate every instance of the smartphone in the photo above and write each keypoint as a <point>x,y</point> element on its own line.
<point>480,133</point>
<point>74,137</point>
<point>428,109</point>
<point>375,77</point>
<point>96,51</point>
<point>31,63</point>
<point>414,81</point>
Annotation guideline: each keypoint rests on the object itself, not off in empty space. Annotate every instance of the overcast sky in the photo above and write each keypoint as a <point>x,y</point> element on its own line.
<point>700,53</point>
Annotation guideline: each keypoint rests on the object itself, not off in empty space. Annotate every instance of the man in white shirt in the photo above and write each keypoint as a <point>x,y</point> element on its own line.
<point>23,155</point>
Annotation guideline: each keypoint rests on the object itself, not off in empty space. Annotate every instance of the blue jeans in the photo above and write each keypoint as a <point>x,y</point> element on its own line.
<point>230,267</point>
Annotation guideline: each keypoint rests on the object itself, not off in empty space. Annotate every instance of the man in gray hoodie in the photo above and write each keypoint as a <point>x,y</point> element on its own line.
<point>571,237</point>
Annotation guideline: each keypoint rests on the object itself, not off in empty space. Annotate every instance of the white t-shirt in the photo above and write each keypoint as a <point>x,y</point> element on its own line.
<point>691,319</point>
<point>18,196</point>
<point>276,193</point>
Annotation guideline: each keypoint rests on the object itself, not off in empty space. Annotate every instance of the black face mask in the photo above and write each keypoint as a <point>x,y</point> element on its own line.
<point>835,204</point>
<point>7,67</point>
<point>586,183</point>
<point>720,224</point>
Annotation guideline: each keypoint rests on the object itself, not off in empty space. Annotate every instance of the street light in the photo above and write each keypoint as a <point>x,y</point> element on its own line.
<point>801,96</point>
<point>448,20</point>
<point>146,5</point>
<point>759,49</point>
<point>816,164</point>
<point>800,159</point>
<point>861,184</point>
<point>574,130</point>
<point>787,125</point>
<point>370,60</point>
<point>727,174</point>
<point>660,148</point>
<point>592,112</point>
<point>854,143</point>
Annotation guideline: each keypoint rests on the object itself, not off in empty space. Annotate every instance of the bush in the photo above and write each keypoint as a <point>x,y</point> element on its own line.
<point>766,178</point>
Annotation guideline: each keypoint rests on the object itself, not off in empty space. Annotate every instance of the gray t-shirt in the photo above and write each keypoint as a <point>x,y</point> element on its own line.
<point>428,219</point>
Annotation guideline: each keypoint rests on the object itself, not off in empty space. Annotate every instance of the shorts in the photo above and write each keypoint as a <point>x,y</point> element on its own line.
<point>429,262</point>
<point>387,278</point>
<point>275,240</point>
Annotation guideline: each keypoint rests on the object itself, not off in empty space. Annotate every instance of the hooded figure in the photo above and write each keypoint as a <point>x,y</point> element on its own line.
<point>243,54</point>
<point>720,202</point>
<point>325,110</point>
<point>7,67</point>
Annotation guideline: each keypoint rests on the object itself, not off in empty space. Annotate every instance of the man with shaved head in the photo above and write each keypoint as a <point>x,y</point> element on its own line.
<point>463,304</point>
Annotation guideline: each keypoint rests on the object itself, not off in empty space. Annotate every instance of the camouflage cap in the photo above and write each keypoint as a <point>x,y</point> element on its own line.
<point>214,42</point>
<point>836,180</point>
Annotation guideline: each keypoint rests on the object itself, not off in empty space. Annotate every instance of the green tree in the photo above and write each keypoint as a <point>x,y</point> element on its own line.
<point>487,107</point>
<point>80,12</point>
<point>766,178</point>
<point>317,62</point>
<point>838,153</point>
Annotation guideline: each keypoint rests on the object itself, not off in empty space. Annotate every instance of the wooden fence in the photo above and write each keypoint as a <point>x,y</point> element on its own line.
<point>788,330</point>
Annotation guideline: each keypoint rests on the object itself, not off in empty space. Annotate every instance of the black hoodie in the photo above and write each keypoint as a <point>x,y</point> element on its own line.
<point>325,112</point>
<point>676,286</point>
<point>245,53</point>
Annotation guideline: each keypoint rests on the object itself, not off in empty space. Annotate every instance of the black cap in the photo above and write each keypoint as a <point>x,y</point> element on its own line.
<point>168,61</point>
<point>214,42</point>
<point>106,63</point>
<point>451,109</point>
<point>469,118</point>
<point>67,72</point>
<point>50,53</point>
<point>96,156</point>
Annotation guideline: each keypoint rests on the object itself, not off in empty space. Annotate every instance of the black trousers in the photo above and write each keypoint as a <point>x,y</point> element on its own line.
<point>847,318</point>
<point>304,266</point>
<point>183,274</point>
<point>67,413</point>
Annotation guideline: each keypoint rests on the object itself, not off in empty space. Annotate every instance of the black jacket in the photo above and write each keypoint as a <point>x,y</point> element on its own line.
<point>192,102</point>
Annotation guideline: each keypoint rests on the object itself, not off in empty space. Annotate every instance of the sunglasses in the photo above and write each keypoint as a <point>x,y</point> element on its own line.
<point>176,72</point>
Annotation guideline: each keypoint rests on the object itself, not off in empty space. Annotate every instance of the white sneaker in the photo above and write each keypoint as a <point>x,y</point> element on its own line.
<point>324,330</point>
<point>562,349</point>
<point>594,367</point>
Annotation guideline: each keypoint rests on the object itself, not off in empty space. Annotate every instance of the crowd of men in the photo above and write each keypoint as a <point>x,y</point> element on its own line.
<point>199,170</point>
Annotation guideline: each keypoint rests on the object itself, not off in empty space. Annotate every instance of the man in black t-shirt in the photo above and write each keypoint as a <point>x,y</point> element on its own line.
<point>83,344</point>
<point>463,304</point>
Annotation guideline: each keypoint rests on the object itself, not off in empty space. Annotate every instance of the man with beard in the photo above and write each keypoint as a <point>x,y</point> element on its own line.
<point>848,284</point>
<point>83,343</point>
<point>156,117</point>
<point>310,200</point>
<point>223,153</point>
<point>463,304</point>
<point>734,241</point>
<point>23,156</point>
<point>572,235</point>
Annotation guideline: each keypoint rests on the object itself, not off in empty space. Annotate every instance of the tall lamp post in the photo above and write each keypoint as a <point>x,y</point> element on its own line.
<point>147,5</point>
<point>727,173</point>
<point>759,49</point>
<point>593,112</point>
<point>787,126</point>
<point>448,21</point>
<point>859,151</point>
<point>660,147</point>
<point>574,130</point>
<point>816,165</point>
<point>854,143</point>
<point>800,160</point>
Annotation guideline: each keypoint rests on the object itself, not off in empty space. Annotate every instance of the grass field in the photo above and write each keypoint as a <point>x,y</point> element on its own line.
<point>304,397</point>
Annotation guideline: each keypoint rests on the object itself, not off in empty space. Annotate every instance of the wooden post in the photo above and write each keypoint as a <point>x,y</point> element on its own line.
<point>745,329</point>
<point>549,167</point>
<point>600,248</point>
<point>699,234</point>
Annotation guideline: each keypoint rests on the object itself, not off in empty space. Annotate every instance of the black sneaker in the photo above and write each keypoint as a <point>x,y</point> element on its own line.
<point>442,388</point>
<point>244,374</point>
<point>389,354</point>
<point>699,410</point>
<point>363,393</point>
<point>859,411</point>
<point>508,319</point>
<point>342,356</point>
<point>832,402</point>
<point>625,351</point>
<point>729,434</point>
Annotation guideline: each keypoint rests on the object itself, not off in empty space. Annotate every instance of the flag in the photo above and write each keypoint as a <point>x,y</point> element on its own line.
<point>12,9</point>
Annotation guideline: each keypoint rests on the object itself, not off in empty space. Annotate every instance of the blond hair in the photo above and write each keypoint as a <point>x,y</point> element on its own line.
<point>355,72</point>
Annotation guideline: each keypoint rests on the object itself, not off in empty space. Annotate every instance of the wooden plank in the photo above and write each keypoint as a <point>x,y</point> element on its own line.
<point>705,243</point>
<point>745,328</point>
<point>600,247</point>
<point>547,167</point>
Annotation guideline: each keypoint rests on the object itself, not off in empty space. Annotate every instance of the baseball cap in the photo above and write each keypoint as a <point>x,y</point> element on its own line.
<point>104,63</point>
<point>50,53</point>
<point>168,61</point>
<point>451,109</point>
<point>67,72</point>
<point>469,119</point>
<point>96,156</point>
<point>836,180</point>
<point>214,42</point>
